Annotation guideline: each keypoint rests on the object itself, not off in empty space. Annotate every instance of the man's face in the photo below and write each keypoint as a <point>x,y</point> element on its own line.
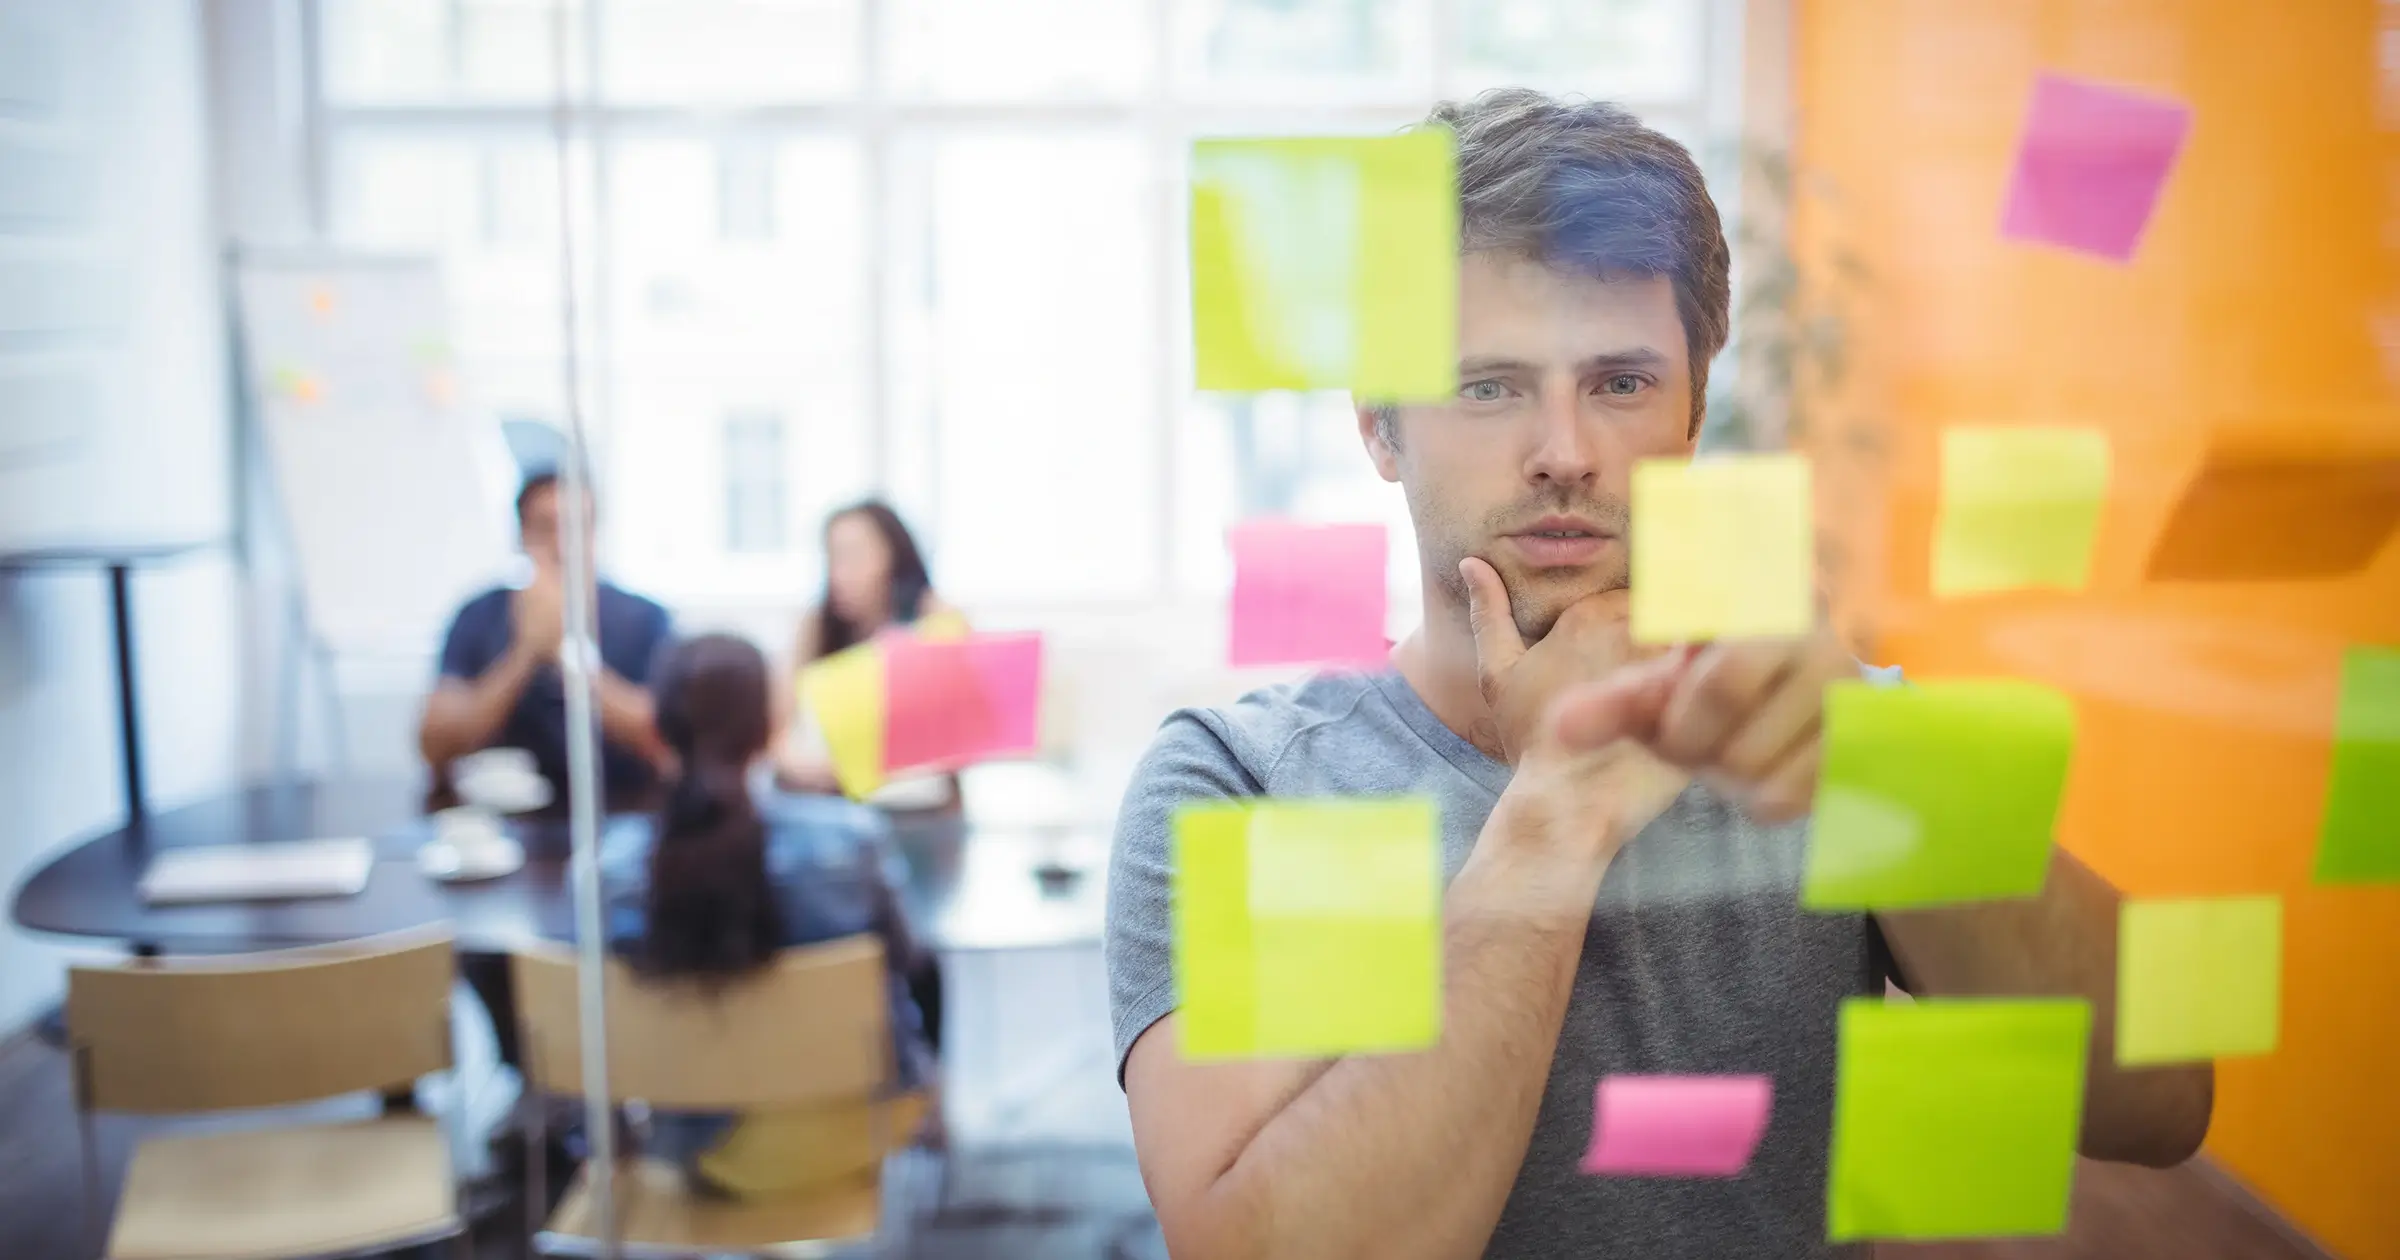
<point>1564,382</point>
<point>539,529</point>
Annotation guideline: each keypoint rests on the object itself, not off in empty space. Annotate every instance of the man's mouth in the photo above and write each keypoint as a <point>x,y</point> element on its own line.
<point>1557,541</point>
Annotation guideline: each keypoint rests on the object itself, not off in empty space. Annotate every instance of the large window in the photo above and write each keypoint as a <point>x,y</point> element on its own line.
<point>926,248</point>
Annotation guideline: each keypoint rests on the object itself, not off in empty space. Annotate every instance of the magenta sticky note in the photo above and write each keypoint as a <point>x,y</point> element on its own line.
<point>2091,165</point>
<point>1308,594</point>
<point>937,711</point>
<point>1009,669</point>
<point>1677,1126</point>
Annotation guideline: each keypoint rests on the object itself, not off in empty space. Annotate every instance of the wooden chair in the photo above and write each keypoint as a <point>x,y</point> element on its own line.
<point>812,1028</point>
<point>177,1036</point>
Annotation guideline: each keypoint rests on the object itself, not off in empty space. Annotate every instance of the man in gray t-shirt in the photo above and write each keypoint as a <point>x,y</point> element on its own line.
<point>1622,828</point>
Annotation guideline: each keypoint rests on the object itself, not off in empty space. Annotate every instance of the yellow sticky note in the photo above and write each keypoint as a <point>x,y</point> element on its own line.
<point>2198,978</point>
<point>1721,548</point>
<point>1307,928</point>
<point>941,627</point>
<point>845,692</point>
<point>1327,262</point>
<point>2019,508</point>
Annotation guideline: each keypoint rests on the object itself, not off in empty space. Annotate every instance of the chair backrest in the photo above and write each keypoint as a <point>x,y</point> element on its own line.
<point>262,1029</point>
<point>812,1026</point>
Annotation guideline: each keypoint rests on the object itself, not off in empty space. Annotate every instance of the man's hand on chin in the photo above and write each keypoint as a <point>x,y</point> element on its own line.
<point>1744,716</point>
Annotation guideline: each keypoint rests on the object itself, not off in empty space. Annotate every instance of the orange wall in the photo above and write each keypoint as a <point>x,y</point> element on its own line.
<point>2249,314</point>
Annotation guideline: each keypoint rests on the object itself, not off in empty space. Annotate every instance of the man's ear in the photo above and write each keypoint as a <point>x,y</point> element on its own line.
<point>1379,432</point>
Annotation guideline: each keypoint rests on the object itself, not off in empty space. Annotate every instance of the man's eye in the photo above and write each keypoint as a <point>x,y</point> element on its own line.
<point>1484,391</point>
<point>1623,384</point>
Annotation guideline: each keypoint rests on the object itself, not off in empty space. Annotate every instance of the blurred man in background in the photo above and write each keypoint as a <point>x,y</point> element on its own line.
<point>500,684</point>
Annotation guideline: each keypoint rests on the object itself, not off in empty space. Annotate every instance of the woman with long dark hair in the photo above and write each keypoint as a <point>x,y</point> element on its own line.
<point>875,580</point>
<point>724,878</point>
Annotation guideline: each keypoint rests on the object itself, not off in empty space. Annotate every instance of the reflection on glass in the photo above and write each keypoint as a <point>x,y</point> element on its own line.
<point>1301,47</point>
<point>728,52</point>
<point>1626,50</point>
<point>964,50</point>
<point>1027,337</point>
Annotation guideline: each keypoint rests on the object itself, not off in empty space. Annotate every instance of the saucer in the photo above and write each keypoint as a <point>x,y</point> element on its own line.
<point>487,859</point>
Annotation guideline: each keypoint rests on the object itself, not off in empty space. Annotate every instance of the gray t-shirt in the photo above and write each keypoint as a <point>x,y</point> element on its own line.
<point>1698,960</point>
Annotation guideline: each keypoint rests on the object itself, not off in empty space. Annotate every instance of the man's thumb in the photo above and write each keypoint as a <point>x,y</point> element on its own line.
<point>1497,644</point>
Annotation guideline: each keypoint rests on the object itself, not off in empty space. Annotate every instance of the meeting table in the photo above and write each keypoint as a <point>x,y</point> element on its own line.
<point>969,888</point>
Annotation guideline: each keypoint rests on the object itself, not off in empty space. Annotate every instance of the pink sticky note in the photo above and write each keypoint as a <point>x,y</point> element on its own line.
<point>1677,1126</point>
<point>1009,667</point>
<point>1308,594</point>
<point>936,710</point>
<point>2091,165</point>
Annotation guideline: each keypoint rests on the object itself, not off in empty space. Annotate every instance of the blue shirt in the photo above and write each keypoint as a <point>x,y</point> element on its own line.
<point>630,630</point>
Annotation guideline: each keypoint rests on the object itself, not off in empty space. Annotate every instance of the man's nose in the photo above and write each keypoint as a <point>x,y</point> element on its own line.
<point>1566,445</point>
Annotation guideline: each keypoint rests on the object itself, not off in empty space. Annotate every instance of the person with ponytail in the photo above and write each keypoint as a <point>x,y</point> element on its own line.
<point>728,874</point>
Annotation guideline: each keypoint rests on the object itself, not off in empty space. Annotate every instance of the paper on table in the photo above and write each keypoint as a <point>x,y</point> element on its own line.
<point>2019,508</point>
<point>1677,1126</point>
<point>1307,928</point>
<point>2248,518</point>
<point>1955,1118</point>
<point>2091,165</point>
<point>845,692</point>
<point>1308,594</point>
<point>2198,978</point>
<point>2359,840</point>
<point>1326,263</point>
<point>1936,792</point>
<point>1720,548</point>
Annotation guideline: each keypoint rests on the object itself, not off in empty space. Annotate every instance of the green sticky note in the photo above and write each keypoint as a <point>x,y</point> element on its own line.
<point>1936,792</point>
<point>2019,508</point>
<point>1307,928</point>
<point>2360,840</point>
<point>1327,262</point>
<point>1955,1118</point>
<point>2198,978</point>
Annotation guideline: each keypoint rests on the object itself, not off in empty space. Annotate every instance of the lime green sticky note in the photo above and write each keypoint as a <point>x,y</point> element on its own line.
<point>1327,262</point>
<point>1721,548</point>
<point>844,692</point>
<point>1955,1118</point>
<point>1936,792</point>
<point>2359,841</point>
<point>1307,928</point>
<point>2019,508</point>
<point>2198,978</point>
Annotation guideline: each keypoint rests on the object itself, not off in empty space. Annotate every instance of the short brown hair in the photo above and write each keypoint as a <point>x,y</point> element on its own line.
<point>1583,186</point>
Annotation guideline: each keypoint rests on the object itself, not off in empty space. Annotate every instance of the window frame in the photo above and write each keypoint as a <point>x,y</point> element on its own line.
<point>1165,112</point>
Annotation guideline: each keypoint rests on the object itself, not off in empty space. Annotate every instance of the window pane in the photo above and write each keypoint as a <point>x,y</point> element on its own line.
<point>1636,50</point>
<point>1279,454</point>
<point>1305,49</point>
<point>385,50</point>
<point>1017,50</point>
<point>719,331</point>
<point>396,52</point>
<point>1025,365</point>
<point>718,52</point>
<point>487,209</point>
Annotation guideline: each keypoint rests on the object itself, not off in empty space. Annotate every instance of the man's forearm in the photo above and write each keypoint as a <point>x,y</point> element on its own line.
<point>2061,943</point>
<point>463,718</point>
<point>1413,1155</point>
<point>627,717</point>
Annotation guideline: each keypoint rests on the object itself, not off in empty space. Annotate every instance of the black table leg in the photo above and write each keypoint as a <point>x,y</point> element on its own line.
<point>129,731</point>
